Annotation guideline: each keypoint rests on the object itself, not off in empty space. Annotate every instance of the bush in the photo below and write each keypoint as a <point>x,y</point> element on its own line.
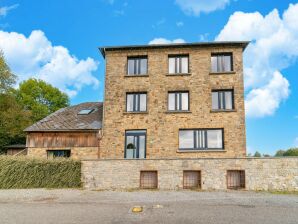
<point>24,172</point>
<point>291,152</point>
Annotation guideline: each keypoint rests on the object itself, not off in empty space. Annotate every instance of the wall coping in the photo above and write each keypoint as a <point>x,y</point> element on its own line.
<point>217,158</point>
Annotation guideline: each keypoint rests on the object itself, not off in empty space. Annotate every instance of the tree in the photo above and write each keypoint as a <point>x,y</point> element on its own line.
<point>13,120</point>
<point>40,98</point>
<point>257,154</point>
<point>7,78</point>
<point>279,153</point>
<point>291,152</point>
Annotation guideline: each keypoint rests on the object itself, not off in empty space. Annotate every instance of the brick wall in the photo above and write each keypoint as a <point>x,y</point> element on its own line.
<point>260,173</point>
<point>162,127</point>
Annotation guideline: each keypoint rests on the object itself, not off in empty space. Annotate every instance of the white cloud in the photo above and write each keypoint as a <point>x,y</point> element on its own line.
<point>166,41</point>
<point>35,56</point>
<point>5,9</point>
<point>274,47</point>
<point>265,100</point>
<point>195,7</point>
<point>179,24</point>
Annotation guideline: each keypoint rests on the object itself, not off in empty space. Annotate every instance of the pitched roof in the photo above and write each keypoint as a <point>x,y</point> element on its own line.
<point>68,119</point>
<point>242,44</point>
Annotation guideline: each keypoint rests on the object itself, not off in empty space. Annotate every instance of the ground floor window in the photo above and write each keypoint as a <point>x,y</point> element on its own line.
<point>235,179</point>
<point>191,179</point>
<point>200,139</point>
<point>58,153</point>
<point>135,144</point>
<point>148,179</point>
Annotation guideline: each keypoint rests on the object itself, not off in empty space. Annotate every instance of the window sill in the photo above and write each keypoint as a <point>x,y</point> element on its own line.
<point>218,111</point>
<point>222,73</point>
<point>177,111</point>
<point>178,74</point>
<point>136,112</point>
<point>200,150</point>
<point>126,76</point>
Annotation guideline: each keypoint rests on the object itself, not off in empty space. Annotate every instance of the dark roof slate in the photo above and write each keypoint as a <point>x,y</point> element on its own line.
<point>242,44</point>
<point>68,119</point>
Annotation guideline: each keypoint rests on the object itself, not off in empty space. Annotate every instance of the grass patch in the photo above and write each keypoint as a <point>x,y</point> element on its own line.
<point>23,172</point>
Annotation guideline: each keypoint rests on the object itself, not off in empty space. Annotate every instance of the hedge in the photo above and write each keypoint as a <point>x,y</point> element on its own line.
<point>23,172</point>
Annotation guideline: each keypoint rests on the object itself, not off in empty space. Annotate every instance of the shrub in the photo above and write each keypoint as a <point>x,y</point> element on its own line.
<point>291,152</point>
<point>24,172</point>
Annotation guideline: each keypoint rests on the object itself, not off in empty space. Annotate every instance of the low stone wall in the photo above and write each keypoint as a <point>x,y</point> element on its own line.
<point>260,173</point>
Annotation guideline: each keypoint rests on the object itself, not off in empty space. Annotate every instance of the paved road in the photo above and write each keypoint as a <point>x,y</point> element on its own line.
<point>78,206</point>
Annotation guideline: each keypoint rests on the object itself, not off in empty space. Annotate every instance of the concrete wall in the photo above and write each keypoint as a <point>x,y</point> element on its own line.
<point>163,126</point>
<point>76,152</point>
<point>261,173</point>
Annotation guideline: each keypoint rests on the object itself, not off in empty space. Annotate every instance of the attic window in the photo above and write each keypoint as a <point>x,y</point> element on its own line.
<point>85,111</point>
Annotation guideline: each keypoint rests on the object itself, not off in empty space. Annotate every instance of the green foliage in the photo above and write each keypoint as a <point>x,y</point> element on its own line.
<point>279,153</point>
<point>257,154</point>
<point>289,152</point>
<point>23,172</point>
<point>40,98</point>
<point>13,120</point>
<point>7,78</point>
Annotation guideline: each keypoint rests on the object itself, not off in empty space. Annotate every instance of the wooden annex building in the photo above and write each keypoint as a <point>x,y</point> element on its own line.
<point>69,132</point>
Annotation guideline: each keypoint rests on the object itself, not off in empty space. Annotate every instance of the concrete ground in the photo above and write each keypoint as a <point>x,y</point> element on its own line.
<point>79,206</point>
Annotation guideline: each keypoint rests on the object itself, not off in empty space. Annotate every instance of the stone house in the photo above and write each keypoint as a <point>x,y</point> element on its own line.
<point>174,101</point>
<point>69,132</point>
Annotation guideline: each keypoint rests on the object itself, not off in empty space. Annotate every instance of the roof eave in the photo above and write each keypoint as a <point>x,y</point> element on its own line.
<point>63,130</point>
<point>103,49</point>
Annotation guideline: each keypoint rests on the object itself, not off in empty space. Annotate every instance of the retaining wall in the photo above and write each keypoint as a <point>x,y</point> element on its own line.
<point>260,173</point>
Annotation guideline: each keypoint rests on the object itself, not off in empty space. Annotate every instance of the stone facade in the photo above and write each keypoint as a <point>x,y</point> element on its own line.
<point>260,173</point>
<point>162,126</point>
<point>76,152</point>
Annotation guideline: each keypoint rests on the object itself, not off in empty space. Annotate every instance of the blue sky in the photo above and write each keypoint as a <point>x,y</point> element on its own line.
<point>57,41</point>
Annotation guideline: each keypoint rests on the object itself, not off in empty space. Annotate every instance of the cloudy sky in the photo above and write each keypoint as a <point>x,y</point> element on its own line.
<point>57,41</point>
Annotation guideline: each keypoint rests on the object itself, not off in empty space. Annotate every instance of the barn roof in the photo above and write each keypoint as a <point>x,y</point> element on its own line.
<point>81,117</point>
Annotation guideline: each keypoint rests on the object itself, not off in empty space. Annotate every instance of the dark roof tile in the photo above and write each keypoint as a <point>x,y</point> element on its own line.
<point>68,119</point>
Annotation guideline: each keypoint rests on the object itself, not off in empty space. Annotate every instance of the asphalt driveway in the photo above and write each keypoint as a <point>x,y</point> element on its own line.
<point>80,206</point>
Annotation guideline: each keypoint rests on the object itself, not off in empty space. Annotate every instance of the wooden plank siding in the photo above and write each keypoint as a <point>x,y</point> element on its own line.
<point>62,139</point>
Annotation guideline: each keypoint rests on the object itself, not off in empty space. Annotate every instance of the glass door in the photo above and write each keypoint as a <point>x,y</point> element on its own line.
<point>135,144</point>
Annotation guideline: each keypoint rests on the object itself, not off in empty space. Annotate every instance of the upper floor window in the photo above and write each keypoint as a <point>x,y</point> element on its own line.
<point>136,102</point>
<point>200,139</point>
<point>222,62</point>
<point>178,64</point>
<point>137,65</point>
<point>178,101</point>
<point>222,100</point>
